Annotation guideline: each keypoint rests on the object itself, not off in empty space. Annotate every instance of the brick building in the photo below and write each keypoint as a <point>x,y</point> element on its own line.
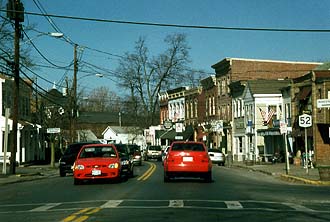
<point>307,92</point>
<point>230,70</point>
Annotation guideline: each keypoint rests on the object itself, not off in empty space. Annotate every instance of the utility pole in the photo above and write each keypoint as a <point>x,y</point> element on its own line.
<point>15,11</point>
<point>74,103</point>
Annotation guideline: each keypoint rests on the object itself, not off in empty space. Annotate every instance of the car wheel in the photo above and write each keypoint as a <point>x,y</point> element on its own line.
<point>77,181</point>
<point>208,177</point>
<point>131,173</point>
<point>62,173</point>
<point>166,178</point>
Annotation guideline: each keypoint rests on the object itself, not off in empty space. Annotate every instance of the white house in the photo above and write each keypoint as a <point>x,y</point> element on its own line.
<point>125,135</point>
<point>262,101</point>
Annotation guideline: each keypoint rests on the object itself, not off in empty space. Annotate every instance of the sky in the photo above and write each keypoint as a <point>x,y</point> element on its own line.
<point>100,43</point>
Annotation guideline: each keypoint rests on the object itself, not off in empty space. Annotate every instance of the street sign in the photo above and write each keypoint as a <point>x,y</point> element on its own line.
<point>283,127</point>
<point>53,130</point>
<point>179,127</point>
<point>168,124</point>
<point>323,103</point>
<point>305,120</point>
<point>178,137</point>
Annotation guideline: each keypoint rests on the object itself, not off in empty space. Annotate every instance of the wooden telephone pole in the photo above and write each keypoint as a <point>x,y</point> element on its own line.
<point>15,11</point>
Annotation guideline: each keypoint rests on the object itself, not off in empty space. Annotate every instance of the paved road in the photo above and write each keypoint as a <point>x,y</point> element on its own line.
<point>234,195</point>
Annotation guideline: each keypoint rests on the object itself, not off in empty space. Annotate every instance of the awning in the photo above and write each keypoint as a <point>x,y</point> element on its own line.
<point>269,132</point>
<point>173,135</point>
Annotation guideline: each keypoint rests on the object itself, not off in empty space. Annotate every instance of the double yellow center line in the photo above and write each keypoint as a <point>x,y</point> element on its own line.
<point>81,215</point>
<point>149,172</point>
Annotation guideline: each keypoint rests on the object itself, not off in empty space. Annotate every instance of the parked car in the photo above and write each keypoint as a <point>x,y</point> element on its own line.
<point>97,161</point>
<point>69,156</point>
<point>136,152</point>
<point>153,152</point>
<point>217,157</point>
<point>187,159</point>
<point>126,157</point>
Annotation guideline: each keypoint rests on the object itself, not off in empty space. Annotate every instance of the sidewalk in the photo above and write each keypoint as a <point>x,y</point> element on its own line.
<point>297,174</point>
<point>28,173</point>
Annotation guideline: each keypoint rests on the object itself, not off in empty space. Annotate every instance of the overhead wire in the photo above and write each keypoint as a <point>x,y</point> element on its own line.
<point>175,25</point>
<point>51,22</point>
<point>43,56</point>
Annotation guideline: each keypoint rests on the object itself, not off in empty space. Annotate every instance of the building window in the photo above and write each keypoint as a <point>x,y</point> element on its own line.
<point>210,106</point>
<point>196,113</point>
<point>191,109</point>
<point>213,105</point>
<point>234,108</point>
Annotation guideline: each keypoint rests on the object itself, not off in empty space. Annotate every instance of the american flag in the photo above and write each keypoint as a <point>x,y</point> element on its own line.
<point>263,114</point>
<point>271,112</point>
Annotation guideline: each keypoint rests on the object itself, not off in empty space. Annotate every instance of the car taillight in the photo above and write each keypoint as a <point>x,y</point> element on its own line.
<point>169,158</point>
<point>206,158</point>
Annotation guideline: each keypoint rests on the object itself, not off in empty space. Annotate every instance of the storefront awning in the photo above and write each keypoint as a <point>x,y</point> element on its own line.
<point>173,135</point>
<point>269,132</point>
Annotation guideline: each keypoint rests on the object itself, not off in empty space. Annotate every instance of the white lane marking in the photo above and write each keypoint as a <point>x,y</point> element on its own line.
<point>111,204</point>
<point>45,207</point>
<point>299,207</point>
<point>176,203</point>
<point>233,205</point>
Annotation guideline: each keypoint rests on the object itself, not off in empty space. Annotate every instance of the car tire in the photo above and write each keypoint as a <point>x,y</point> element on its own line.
<point>62,173</point>
<point>77,181</point>
<point>208,177</point>
<point>131,173</point>
<point>166,178</point>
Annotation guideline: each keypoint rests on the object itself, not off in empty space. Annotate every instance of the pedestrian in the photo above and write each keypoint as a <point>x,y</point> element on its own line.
<point>303,159</point>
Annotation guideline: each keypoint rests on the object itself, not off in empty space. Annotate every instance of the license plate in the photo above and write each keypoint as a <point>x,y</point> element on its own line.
<point>187,159</point>
<point>96,172</point>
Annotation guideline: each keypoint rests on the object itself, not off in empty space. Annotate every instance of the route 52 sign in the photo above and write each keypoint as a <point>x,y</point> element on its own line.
<point>305,120</point>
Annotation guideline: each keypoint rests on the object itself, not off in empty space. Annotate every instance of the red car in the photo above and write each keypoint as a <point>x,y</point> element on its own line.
<point>97,161</point>
<point>188,159</point>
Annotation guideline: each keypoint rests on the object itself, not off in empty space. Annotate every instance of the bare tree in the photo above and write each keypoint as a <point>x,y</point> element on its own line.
<point>146,76</point>
<point>7,46</point>
<point>101,99</point>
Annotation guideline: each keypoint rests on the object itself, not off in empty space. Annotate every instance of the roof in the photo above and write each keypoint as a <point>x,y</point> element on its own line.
<point>227,59</point>
<point>86,135</point>
<point>265,86</point>
<point>123,130</point>
<point>324,66</point>
<point>171,134</point>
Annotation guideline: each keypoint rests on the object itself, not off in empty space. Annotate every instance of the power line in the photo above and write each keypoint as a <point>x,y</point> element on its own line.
<point>43,56</point>
<point>177,25</point>
<point>51,22</point>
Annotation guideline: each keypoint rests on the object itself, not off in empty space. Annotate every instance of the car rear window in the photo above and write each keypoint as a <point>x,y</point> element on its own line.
<point>187,147</point>
<point>99,151</point>
<point>157,148</point>
<point>214,150</point>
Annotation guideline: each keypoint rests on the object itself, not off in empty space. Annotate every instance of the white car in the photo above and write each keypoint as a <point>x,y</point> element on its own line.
<point>217,157</point>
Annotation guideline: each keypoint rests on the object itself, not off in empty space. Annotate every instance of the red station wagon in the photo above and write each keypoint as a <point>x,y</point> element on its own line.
<point>97,161</point>
<point>188,159</point>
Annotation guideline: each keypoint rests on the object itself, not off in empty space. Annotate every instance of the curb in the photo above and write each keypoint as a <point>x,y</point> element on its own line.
<point>303,180</point>
<point>289,178</point>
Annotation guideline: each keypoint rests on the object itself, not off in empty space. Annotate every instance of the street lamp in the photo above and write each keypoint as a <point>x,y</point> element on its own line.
<point>51,34</point>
